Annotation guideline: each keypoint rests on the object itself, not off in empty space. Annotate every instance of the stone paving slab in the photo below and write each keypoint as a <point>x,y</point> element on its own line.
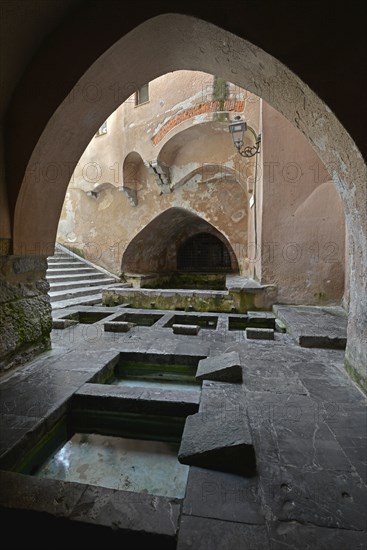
<point>26,492</point>
<point>198,533</point>
<point>334,499</point>
<point>315,326</point>
<point>295,535</point>
<point>221,495</point>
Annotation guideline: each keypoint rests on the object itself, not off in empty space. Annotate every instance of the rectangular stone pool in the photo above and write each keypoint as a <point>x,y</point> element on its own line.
<point>140,319</point>
<point>119,463</point>
<point>122,451</point>
<point>242,322</point>
<point>86,317</point>
<point>160,371</point>
<point>204,321</point>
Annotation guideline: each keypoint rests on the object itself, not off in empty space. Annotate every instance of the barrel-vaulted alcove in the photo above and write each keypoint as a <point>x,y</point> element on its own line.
<point>163,246</point>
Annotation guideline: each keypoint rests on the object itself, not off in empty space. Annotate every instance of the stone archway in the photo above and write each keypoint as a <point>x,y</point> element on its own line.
<point>189,43</point>
<point>155,248</point>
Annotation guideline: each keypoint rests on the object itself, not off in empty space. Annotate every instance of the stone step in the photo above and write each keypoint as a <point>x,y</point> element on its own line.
<point>73,277</point>
<point>61,255</point>
<point>82,284</point>
<point>58,295</point>
<point>66,263</point>
<point>79,301</point>
<point>70,270</point>
<point>74,281</point>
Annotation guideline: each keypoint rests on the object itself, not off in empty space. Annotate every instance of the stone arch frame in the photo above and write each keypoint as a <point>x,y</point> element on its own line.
<point>191,43</point>
<point>131,166</point>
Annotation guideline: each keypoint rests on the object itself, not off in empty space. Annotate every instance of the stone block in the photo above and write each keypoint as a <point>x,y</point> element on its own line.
<point>129,511</point>
<point>260,333</point>
<point>118,326</point>
<point>218,441</point>
<point>190,330</point>
<point>92,396</point>
<point>225,368</point>
<point>63,323</point>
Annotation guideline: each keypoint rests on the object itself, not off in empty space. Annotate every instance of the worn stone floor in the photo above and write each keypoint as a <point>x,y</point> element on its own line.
<point>307,420</point>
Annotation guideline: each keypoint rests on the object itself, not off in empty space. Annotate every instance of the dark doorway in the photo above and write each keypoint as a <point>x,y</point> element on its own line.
<point>203,252</point>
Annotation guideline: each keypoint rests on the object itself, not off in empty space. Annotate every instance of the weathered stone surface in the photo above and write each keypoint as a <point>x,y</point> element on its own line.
<point>315,326</point>
<point>138,400</point>
<point>335,390</point>
<point>333,499</point>
<point>222,398</point>
<point>259,333</point>
<point>117,326</point>
<point>128,510</point>
<point>200,300</point>
<point>185,329</point>
<point>89,504</point>
<point>207,534</point>
<point>25,311</point>
<point>26,492</point>
<point>63,323</point>
<point>221,442</point>
<point>225,367</point>
<point>278,383</point>
<point>221,495</point>
<point>22,277</point>
<point>309,537</point>
<point>13,427</point>
<point>25,325</point>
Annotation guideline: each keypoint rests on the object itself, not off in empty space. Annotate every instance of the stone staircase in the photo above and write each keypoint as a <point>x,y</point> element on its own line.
<point>75,281</point>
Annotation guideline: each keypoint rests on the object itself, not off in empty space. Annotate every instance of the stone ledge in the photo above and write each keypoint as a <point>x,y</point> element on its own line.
<point>90,504</point>
<point>63,323</point>
<point>138,400</point>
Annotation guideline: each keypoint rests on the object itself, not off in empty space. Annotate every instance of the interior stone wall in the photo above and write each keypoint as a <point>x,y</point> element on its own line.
<point>25,310</point>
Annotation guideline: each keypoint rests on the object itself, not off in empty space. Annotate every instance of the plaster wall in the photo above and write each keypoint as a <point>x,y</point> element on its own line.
<point>303,227</point>
<point>207,177</point>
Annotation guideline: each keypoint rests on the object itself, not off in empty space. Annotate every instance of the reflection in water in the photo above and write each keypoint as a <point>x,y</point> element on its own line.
<point>119,463</point>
